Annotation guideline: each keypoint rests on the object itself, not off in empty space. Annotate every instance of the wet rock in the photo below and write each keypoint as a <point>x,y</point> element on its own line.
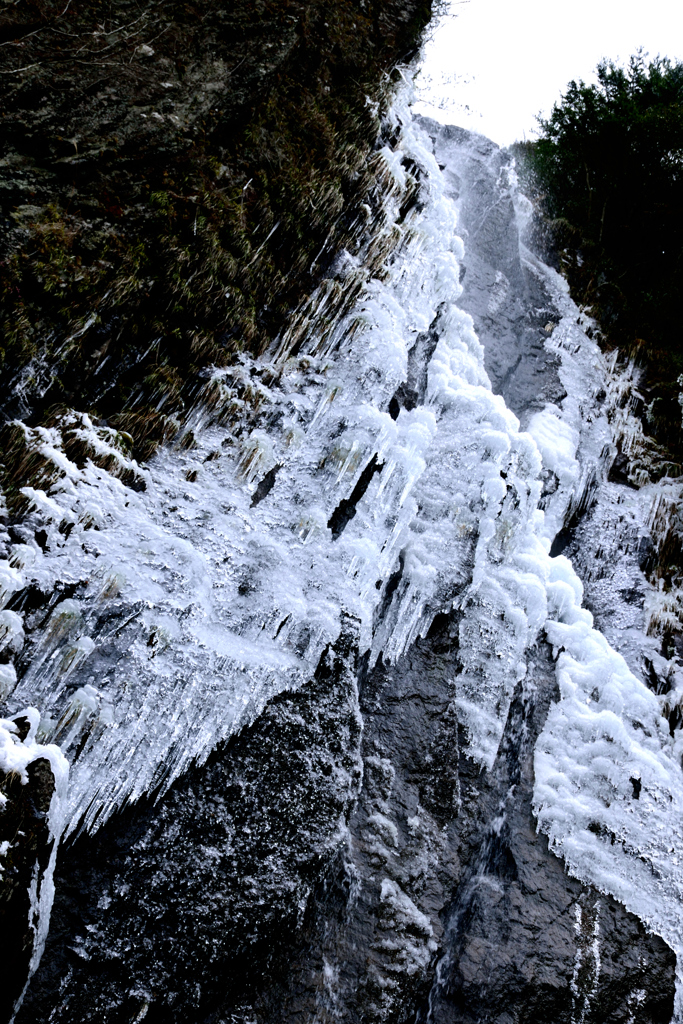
<point>25,845</point>
<point>524,941</point>
<point>619,472</point>
<point>453,907</point>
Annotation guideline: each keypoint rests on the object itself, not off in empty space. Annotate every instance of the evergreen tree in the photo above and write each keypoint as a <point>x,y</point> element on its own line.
<point>607,172</point>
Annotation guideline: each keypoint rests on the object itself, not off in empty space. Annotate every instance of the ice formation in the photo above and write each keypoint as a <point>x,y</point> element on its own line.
<point>187,605</point>
<point>609,786</point>
<point>372,473</point>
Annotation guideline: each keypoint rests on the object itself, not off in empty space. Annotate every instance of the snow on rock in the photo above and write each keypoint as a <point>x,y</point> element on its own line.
<point>557,442</point>
<point>609,785</point>
<point>410,936</point>
<point>608,780</point>
<point>609,791</point>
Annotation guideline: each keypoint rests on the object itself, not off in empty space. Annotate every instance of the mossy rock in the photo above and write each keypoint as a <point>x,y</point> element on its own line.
<point>174,180</point>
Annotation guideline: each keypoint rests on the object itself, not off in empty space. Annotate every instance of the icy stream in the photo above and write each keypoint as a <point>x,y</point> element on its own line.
<point>373,472</point>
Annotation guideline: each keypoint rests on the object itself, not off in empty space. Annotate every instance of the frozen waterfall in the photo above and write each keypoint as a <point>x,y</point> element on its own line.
<point>364,467</point>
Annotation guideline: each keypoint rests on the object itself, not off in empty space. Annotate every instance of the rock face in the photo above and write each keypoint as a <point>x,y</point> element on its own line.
<point>24,828</point>
<point>173,180</point>
<point>523,941</point>
<point>273,886</point>
<point>510,307</point>
<point>345,858</point>
<point>177,909</point>
<point>27,851</point>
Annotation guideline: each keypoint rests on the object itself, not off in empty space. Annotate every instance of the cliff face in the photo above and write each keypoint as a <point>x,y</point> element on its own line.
<point>173,180</point>
<point>27,845</point>
<point>344,859</point>
<point>367,847</point>
<point>344,744</point>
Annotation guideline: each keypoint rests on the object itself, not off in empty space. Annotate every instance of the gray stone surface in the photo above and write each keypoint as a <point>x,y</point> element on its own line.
<point>26,845</point>
<point>509,306</point>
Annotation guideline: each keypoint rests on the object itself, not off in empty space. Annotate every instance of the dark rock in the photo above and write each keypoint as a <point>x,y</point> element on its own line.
<point>174,180</point>
<point>346,509</point>
<point>265,485</point>
<point>525,942</point>
<point>178,907</point>
<point>619,471</point>
<point>25,828</point>
<point>646,554</point>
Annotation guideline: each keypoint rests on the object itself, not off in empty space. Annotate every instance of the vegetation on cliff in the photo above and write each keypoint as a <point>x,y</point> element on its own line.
<point>607,177</point>
<point>174,179</point>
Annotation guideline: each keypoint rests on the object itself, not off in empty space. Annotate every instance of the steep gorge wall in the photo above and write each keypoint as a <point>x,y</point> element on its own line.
<point>300,661</point>
<point>174,178</point>
<point>364,850</point>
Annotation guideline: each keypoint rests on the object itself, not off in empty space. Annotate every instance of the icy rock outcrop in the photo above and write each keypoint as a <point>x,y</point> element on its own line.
<point>380,481</point>
<point>33,785</point>
<point>239,896</point>
<point>172,909</point>
<point>616,723</point>
<point>158,622</point>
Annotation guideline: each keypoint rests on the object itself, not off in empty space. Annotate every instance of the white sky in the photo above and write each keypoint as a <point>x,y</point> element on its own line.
<point>492,65</point>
